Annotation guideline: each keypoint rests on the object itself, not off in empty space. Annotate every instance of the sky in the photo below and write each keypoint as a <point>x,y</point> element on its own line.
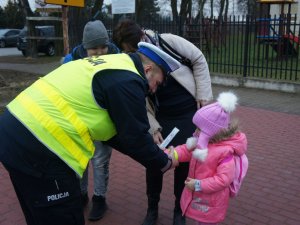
<point>165,9</point>
<point>4,2</point>
<point>32,3</point>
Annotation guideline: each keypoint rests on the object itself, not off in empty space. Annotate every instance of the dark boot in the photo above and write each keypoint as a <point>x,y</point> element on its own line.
<point>178,219</point>
<point>84,199</point>
<point>151,217</point>
<point>152,211</point>
<point>98,209</point>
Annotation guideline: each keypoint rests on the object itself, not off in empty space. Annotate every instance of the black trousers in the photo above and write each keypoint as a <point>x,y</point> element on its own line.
<point>154,177</point>
<point>154,180</point>
<point>52,199</point>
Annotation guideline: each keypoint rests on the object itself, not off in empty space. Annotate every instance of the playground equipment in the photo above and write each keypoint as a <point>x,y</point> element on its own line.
<point>277,31</point>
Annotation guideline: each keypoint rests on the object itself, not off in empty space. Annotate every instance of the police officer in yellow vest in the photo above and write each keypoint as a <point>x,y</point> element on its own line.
<point>47,131</point>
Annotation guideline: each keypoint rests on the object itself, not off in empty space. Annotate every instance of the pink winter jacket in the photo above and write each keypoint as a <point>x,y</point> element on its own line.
<point>210,204</point>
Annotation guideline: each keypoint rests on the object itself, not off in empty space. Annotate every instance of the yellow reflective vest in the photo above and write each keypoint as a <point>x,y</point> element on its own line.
<point>61,111</point>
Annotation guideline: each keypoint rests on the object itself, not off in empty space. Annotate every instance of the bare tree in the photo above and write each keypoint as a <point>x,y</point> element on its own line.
<point>185,9</point>
<point>199,15</point>
<point>250,7</point>
<point>222,7</point>
<point>226,8</point>
<point>96,9</point>
<point>223,10</point>
<point>147,10</point>
<point>24,4</point>
<point>174,9</point>
<point>211,9</point>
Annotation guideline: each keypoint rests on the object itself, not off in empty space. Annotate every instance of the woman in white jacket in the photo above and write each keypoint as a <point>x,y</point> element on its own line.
<point>186,90</point>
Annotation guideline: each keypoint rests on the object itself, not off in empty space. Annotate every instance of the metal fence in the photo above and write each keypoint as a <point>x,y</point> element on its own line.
<point>250,47</point>
<point>266,47</point>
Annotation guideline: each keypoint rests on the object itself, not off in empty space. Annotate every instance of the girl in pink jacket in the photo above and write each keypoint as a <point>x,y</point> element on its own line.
<point>206,194</point>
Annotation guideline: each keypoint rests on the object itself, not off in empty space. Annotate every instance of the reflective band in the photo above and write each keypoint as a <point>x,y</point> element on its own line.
<point>67,111</point>
<point>175,155</point>
<point>58,133</point>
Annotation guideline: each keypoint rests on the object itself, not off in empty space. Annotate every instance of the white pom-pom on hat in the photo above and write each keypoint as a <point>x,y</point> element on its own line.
<point>227,101</point>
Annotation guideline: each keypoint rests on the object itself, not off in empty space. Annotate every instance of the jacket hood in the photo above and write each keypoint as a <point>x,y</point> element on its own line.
<point>79,52</point>
<point>238,142</point>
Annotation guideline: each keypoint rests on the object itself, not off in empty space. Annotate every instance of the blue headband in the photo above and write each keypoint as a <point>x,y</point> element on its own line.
<point>155,58</point>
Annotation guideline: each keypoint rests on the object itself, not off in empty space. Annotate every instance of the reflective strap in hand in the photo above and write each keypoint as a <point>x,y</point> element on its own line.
<point>169,138</point>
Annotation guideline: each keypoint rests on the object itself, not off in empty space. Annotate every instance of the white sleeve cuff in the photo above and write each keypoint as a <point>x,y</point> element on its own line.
<point>198,185</point>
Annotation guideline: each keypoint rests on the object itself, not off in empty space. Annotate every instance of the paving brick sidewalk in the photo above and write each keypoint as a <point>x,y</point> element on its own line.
<point>270,193</point>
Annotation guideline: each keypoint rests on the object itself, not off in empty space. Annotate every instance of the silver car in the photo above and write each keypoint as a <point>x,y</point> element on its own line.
<point>9,37</point>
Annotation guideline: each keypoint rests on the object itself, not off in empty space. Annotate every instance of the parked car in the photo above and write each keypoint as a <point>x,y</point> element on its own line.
<point>46,46</point>
<point>9,37</point>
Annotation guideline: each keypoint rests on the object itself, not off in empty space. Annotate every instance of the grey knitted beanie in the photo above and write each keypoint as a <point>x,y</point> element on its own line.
<point>94,35</point>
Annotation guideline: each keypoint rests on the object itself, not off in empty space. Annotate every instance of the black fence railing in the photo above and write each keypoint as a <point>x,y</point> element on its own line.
<point>266,47</point>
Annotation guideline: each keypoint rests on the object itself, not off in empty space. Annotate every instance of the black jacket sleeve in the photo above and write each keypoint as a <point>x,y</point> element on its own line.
<point>122,93</point>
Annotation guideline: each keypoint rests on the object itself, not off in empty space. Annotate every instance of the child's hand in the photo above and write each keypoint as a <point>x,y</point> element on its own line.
<point>190,183</point>
<point>169,151</point>
<point>173,155</point>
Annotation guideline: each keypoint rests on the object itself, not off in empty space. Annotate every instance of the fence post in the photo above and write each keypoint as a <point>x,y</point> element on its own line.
<point>246,44</point>
<point>65,23</point>
<point>180,25</point>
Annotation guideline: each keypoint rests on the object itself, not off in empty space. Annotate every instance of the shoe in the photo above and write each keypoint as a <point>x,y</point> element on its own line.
<point>151,217</point>
<point>84,199</point>
<point>99,207</point>
<point>178,219</point>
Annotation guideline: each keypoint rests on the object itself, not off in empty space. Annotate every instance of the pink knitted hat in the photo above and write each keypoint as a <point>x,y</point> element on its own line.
<point>214,117</point>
